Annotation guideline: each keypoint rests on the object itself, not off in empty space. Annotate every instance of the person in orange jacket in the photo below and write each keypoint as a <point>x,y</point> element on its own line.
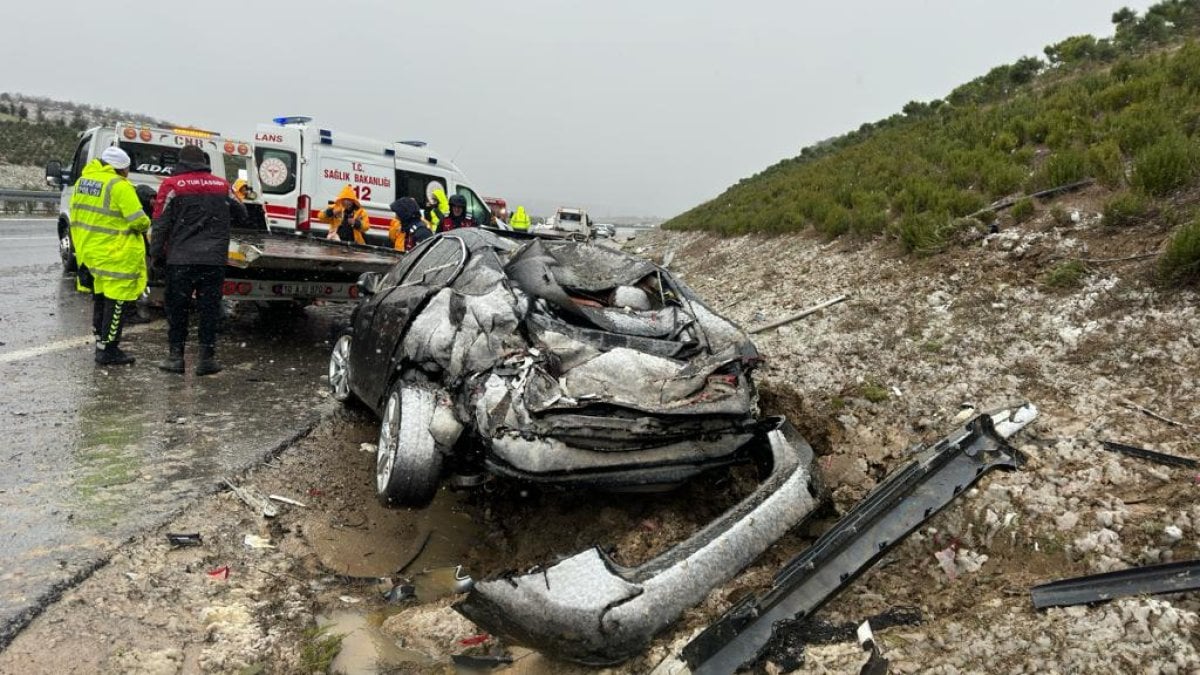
<point>408,228</point>
<point>346,217</point>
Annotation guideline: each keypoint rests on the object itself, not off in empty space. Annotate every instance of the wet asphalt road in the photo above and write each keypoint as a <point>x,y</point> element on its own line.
<point>92,456</point>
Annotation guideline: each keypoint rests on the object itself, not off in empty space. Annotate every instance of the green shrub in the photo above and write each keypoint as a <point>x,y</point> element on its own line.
<point>1165,166</point>
<point>1066,274</point>
<point>1125,209</point>
<point>1106,164</point>
<point>874,393</point>
<point>869,223</point>
<point>1063,167</point>
<point>1180,263</point>
<point>1141,125</point>
<point>1060,216</point>
<point>1023,210</point>
<point>923,233</point>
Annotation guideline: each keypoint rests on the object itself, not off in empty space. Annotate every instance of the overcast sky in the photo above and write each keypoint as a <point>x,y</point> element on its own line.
<point>622,106</point>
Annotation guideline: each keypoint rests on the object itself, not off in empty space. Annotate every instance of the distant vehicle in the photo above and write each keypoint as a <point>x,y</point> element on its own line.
<point>302,167</point>
<point>604,230</point>
<point>154,153</point>
<point>568,223</point>
<point>498,206</point>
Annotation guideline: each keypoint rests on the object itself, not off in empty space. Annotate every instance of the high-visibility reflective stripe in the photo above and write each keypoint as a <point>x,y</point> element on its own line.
<point>99,228</point>
<point>135,216</point>
<point>108,191</point>
<point>102,210</point>
<point>113,275</point>
<point>114,326</point>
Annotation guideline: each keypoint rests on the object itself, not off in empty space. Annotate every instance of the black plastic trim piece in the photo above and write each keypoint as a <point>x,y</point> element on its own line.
<point>1152,455</point>
<point>893,510</point>
<point>1174,577</point>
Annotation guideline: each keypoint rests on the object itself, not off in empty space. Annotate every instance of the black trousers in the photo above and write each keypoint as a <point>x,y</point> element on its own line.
<point>205,281</point>
<point>108,318</point>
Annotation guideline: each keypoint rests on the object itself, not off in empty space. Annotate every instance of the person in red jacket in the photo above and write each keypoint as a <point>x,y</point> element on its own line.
<point>193,213</point>
<point>458,217</point>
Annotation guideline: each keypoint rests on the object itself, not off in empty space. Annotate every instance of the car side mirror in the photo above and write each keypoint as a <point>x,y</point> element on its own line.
<point>54,173</point>
<point>368,283</point>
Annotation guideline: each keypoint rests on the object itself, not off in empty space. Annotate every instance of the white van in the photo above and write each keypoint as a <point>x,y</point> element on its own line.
<point>154,153</point>
<point>303,167</point>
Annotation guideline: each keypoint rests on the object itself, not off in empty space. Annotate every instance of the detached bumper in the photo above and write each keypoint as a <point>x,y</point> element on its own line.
<point>588,609</point>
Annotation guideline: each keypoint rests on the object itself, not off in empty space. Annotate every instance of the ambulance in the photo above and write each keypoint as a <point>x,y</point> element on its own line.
<point>302,167</point>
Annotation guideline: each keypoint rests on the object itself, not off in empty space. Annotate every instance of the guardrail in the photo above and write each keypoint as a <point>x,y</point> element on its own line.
<point>30,202</point>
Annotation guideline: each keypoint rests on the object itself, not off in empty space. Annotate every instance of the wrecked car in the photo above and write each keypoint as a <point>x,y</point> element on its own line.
<point>565,363</point>
<point>546,361</point>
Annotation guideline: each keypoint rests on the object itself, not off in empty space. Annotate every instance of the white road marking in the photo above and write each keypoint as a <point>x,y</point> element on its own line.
<point>60,345</point>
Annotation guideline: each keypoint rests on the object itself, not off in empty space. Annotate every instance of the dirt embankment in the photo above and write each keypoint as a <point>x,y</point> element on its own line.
<point>865,381</point>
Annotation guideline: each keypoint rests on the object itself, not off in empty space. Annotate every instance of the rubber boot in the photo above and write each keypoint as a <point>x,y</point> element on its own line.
<point>111,355</point>
<point>208,361</point>
<point>174,361</point>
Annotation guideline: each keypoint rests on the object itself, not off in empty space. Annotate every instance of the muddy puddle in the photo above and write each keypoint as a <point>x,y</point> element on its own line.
<point>366,649</point>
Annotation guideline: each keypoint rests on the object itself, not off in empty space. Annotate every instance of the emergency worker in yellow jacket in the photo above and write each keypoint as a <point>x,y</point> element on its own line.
<point>107,224</point>
<point>346,217</point>
<point>520,220</point>
<point>436,207</point>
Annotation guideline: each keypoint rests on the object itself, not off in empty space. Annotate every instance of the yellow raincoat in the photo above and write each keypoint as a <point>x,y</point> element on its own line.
<point>520,220</point>
<point>442,207</point>
<point>107,224</point>
<point>332,215</point>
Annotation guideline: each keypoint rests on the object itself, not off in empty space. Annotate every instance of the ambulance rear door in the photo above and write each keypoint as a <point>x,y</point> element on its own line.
<point>277,156</point>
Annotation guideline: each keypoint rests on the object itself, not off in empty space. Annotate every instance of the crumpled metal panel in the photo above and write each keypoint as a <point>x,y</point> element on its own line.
<point>630,378</point>
<point>590,610</point>
<point>595,268</point>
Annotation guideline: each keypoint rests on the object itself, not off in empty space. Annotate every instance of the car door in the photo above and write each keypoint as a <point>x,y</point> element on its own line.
<point>381,323</point>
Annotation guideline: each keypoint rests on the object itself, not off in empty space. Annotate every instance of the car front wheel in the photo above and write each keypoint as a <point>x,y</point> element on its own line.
<point>408,464</point>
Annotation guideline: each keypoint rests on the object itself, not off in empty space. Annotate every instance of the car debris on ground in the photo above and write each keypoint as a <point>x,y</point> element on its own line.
<point>591,610</point>
<point>180,540</point>
<point>257,502</point>
<point>894,509</point>
<point>1173,577</point>
<point>1151,455</point>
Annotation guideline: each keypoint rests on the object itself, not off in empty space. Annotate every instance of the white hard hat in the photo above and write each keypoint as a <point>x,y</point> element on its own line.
<point>115,157</point>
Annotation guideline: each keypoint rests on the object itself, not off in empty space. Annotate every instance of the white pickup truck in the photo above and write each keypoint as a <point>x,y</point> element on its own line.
<point>567,223</point>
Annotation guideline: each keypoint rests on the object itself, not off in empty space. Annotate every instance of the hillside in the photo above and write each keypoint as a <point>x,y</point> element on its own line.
<point>1123,110</point>
<point>35,129</point>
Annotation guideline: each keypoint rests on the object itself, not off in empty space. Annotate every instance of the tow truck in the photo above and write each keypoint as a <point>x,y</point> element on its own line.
<point>262,266</point>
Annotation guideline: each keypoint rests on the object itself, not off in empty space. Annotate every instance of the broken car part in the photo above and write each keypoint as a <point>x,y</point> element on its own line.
<point>1152,455</point>
<point>285,500</point>
<point>799,315</point>
<point>892,511</point>
<point>589,609</point>
<point>193,539</point>
<point>1174,577</point>
<point>254,500</point>
<point>792,638</point>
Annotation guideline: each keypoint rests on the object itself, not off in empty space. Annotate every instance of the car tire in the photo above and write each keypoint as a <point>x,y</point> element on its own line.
<point>408,463</point>
<point>339,369</point>
<point>66,250</point>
